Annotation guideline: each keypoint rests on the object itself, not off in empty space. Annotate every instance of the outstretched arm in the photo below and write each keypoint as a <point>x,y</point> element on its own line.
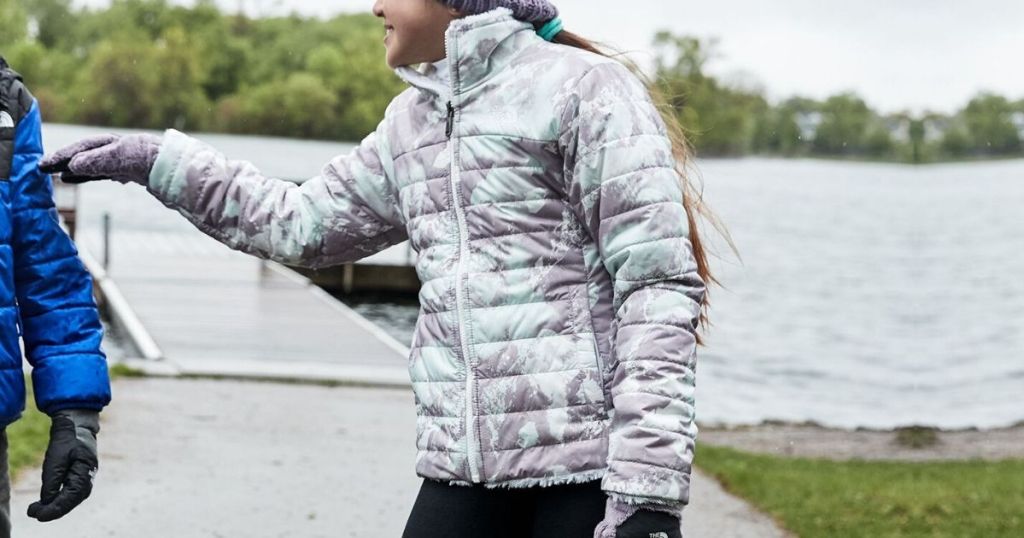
<point>346,213</point>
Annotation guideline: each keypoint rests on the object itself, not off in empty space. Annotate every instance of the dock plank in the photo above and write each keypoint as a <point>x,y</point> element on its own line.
<point>202,301</point>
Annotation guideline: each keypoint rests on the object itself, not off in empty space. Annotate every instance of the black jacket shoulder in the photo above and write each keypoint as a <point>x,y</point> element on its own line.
<point>15,102</point>
<point>15,99</point>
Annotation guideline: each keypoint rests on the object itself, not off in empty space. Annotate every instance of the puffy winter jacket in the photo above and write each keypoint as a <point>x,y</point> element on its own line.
<point>555,339</point>
<point>44,288</point>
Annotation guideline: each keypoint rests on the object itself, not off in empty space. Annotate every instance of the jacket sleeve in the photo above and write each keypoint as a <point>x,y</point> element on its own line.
<point>61,327</point>
<point>346,213</point>
<point>623,185</point>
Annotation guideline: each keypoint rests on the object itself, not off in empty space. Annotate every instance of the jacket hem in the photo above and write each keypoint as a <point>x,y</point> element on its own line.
<point>545,481</point>
<point>542,481</point>
<point>7,421</point>
<point>452,482</point>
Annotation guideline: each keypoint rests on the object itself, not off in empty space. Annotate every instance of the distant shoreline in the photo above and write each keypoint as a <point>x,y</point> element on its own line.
<point>913,443</point>
<point>97,129</point>
<point>858,160</point>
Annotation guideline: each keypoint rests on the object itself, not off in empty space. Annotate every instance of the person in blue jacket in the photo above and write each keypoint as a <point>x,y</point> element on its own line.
<point>45,300</point>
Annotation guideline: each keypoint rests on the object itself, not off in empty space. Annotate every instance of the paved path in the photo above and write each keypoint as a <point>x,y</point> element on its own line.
<point>202,458</point>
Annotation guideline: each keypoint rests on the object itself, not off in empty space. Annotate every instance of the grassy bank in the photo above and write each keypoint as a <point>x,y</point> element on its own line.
<point>824,498</point>
<point>28,437</point>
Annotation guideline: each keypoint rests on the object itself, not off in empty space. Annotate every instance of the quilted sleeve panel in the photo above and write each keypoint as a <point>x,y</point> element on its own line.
<point>346,213</point>
<point>623,184</point>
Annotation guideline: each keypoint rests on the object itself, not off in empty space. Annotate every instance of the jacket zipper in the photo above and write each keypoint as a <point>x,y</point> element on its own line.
<point>472,453</point>
<point>607,402</point>
<point>451,121</point>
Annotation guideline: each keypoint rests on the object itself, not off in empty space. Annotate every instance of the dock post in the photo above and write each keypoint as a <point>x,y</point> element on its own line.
<point>106,241</point>
<point>347,277</point>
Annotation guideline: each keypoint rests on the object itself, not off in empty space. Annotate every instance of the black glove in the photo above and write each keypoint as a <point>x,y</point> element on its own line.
<point>70,464</point>
<point>639,520</point>
<point>650,524</point>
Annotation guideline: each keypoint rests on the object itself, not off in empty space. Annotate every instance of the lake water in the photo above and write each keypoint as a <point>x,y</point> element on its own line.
<point>871,295</point>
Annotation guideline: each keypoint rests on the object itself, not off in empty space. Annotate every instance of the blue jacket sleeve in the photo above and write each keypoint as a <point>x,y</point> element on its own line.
<point>61,328</point>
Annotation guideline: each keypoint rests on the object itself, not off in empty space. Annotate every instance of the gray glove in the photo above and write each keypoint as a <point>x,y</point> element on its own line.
<point>623,520</point>
<point>124,159</point>
<point>70,463</point>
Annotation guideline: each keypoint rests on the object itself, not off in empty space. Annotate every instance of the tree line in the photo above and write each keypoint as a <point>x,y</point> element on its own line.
<point>152,64</point>
<point>729,120</point>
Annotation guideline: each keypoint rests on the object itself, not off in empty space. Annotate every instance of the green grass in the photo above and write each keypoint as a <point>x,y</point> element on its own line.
<point>118,370</point>
<point>28,437</point>
<point>824,498</point>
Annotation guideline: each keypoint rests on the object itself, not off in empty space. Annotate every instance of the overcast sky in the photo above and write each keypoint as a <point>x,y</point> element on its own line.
<point>897,54</point>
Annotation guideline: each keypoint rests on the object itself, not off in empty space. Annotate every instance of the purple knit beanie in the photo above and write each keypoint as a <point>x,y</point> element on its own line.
<point>524,10</point>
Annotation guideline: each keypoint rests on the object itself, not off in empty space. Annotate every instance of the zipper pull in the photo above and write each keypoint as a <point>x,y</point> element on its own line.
<point>451,120</point>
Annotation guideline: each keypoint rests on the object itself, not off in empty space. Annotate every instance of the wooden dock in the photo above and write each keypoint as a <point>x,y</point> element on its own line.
<point>204,309</point>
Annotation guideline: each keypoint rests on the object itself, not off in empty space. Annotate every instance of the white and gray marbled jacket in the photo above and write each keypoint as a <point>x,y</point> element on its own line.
<point>560,296</point>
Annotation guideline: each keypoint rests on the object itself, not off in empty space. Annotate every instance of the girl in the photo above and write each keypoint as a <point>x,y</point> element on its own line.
<point>562,276</point>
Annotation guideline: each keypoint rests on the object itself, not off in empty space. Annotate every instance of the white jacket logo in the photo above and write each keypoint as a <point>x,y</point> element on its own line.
<point>6,120</point>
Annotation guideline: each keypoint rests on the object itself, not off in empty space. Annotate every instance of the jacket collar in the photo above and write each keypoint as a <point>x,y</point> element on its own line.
<point>476,47</point>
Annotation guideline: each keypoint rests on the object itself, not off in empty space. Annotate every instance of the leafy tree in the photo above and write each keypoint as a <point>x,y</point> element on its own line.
<point>292,107</point>
<point>845,119</point>
<point>917,141</point>
<point>877,140</point>
<point>987,118</point>
<point>783,133</point>
<point>53,20</point>
<point>722,119</point>
<point>120,85</point>
<point>14,22</point>
<point>181,102</point>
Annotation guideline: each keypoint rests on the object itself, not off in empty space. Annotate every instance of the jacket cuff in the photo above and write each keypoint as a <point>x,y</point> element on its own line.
<point>647,503</point>
<point>166,178</point>
<point>636,482</point>
<point>71,382</point>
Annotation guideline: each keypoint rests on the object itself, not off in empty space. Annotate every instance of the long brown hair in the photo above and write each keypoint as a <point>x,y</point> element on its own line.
<point>684,155</point>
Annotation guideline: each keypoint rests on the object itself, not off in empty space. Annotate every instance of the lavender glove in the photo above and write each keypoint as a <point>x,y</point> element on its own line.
<point>124,159</point>
<point>647,520</point>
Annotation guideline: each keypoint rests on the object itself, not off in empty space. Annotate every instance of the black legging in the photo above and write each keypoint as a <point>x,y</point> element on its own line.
<point>560,511</point>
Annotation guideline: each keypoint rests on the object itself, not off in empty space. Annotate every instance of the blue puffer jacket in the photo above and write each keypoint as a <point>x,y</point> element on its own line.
<point>45,291</point>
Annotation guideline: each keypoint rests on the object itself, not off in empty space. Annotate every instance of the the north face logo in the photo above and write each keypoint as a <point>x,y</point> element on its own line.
<point>6,120</point>
<point>658,535</point>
